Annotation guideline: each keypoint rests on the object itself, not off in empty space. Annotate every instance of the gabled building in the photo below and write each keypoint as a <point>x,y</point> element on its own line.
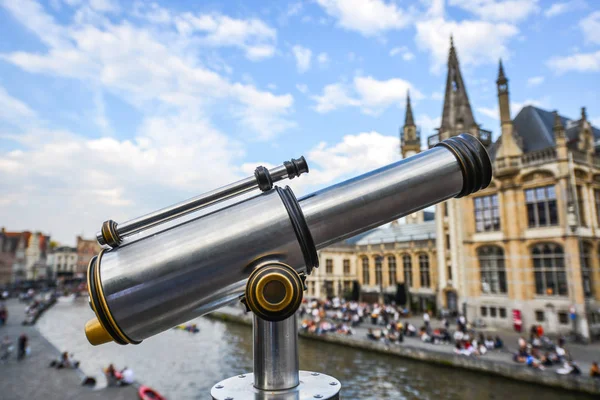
<point>23,256</point>
<point>86,249</point>
<point>526,249</point>
<point>528,245</point>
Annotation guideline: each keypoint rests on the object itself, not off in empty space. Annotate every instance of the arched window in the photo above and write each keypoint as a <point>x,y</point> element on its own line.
<point>378,267</point>
<point>365,271</point>
<point>392,270</point>
<point>586,270</point>
<point>549,269</point>
<point>491,267</point>
<point>424,270</point>
<point>407,265</point>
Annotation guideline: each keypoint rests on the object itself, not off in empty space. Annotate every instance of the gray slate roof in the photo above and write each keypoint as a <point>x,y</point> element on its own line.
<point>534,126</point>
<point>395,233</point>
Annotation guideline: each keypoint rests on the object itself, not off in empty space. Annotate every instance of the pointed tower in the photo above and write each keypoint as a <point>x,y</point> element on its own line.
<point>410,137</point>
<point>457,115</point>
<point>508,143</point>
<point>586,138</point>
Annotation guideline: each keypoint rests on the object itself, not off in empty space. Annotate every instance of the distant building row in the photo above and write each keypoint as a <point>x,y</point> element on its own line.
<point>30,256</point>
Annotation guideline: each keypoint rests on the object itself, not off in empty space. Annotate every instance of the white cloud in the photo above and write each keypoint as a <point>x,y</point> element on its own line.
<point>403,52</point>
<point>303,58</point>
<point>323,59</point>
<point>590,27</point>
<point>478,42</point>
<point>580,62</point>
<point>490,112</point>
<point>427,124</point>
<point>14,111</point>
<point>302,88</point>
<point>252,35</point>
<point>535,81</point>
<point>371,95</point>
<point>147,67</point>
<point>368,17</point>
<point>595,121</point>
<point>105,5</point>
<point>437,96</point>
<point>498,10</point>
<point>515,107</point>
<point>354,155</point>
<point>561,8</point>
<point>62,182</point>
<point>334,96</point>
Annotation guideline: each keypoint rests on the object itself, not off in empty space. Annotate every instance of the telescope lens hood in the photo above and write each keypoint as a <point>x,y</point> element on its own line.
<point>474,162</point>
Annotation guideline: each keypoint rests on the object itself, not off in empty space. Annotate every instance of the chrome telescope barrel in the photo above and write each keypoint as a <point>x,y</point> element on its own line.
<point>198,266</point>
<point>456,167</point>
<point>112,233</point>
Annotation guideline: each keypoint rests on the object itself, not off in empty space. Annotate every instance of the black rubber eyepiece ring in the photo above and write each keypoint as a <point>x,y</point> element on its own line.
<point>474,160</point>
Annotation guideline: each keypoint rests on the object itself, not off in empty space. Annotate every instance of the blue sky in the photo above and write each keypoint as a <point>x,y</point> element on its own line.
<point>111,109</point>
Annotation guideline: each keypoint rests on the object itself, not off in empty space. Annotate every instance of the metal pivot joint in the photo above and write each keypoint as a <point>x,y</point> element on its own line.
<point>112,234</point>
<point>274,293</point>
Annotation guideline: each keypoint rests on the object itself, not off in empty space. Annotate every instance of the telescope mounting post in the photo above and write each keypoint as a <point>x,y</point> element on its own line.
<point>273,294</point>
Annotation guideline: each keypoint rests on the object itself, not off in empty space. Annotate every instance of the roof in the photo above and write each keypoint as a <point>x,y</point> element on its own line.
<point>396,233</point>
<point>534,126</point>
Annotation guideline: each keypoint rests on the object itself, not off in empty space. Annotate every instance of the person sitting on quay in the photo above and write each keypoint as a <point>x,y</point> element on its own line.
<point>569,368</point>
<point>594,370</point>
<point>411,330</point>
<point>533,362</point>
<point>560,350</point>
<point>127,377</point>
<point>64,362</point>
<point>498,343</point>
<point>489,343</point>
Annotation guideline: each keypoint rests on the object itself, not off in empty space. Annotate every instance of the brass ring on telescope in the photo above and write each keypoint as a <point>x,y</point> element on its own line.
<point>274,291</point>
<point>100,306</point>
<point>262,299</point>
<point>110,234</point>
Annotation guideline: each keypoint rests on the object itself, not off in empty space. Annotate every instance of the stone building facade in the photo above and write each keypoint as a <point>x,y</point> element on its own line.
<point>23,256</point>
<point>86,249</point>
<point>528,246</point>
<point>64,262</point>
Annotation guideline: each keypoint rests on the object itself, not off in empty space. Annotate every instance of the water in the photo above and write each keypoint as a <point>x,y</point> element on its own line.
<point>181,365</point>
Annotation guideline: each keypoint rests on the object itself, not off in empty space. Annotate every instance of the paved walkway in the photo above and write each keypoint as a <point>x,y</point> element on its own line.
<point>31,378</point>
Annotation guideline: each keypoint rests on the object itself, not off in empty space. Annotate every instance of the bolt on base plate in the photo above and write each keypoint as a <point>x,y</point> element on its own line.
<point>313,385</point>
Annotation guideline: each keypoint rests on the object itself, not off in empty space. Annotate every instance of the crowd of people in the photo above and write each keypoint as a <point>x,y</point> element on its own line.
<point>390,324</point>
<point>540,352</point>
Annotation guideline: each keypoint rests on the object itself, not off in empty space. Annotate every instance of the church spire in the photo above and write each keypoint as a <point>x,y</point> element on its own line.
<point>457,112</point>
<point>408,119</point>
<point>503,98</point>
<point>509,139</point>
<point>410,137</point>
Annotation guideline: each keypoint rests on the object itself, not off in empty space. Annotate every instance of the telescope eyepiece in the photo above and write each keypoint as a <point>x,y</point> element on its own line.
<point>474,161</point>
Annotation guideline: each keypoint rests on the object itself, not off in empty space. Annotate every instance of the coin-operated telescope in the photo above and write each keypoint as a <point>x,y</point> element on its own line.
<point>163,269</point>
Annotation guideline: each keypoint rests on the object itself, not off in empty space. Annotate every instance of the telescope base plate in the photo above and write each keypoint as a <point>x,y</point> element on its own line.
<point>313,385</point>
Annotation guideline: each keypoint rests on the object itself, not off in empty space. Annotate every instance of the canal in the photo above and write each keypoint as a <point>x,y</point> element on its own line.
<point>182,365</point>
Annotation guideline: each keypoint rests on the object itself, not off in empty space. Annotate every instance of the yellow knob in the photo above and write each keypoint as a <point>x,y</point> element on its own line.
<point>95,332</point>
